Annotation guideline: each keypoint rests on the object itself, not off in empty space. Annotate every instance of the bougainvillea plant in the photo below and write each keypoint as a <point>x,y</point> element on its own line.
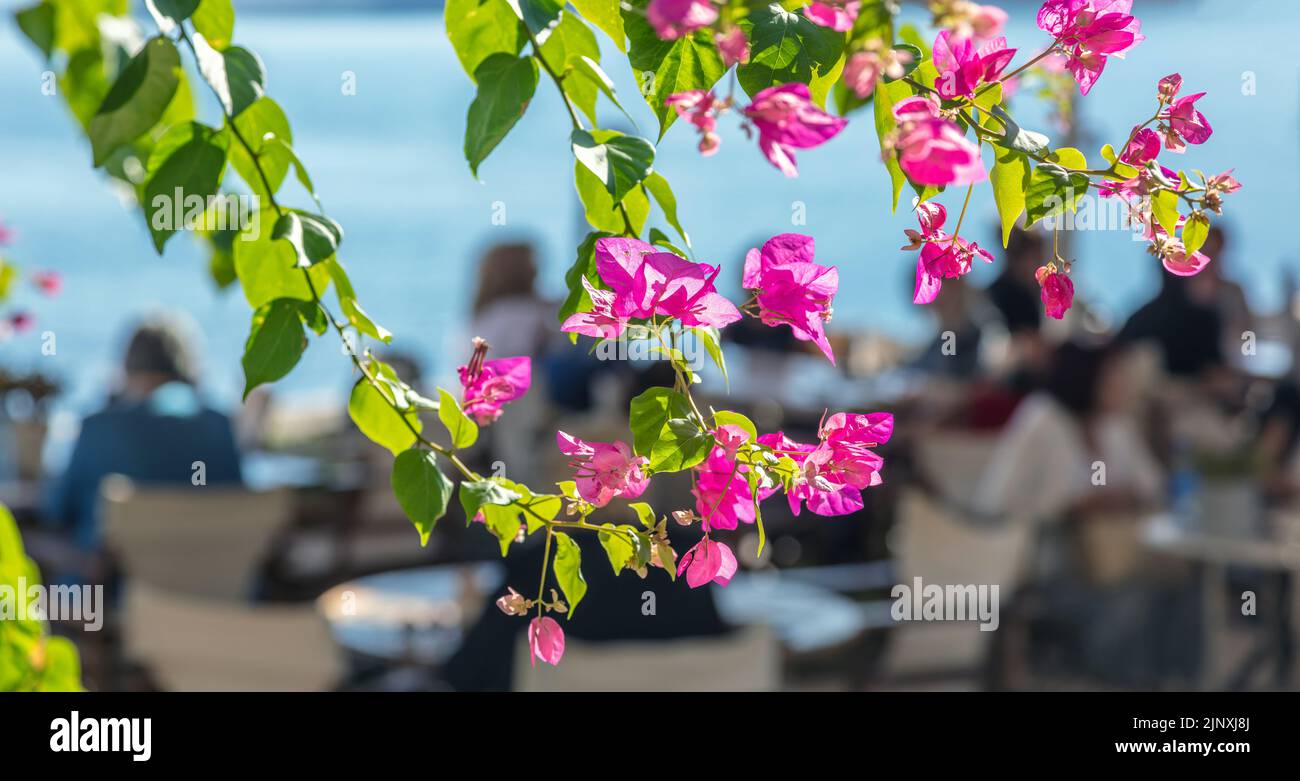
<point>804,68</point>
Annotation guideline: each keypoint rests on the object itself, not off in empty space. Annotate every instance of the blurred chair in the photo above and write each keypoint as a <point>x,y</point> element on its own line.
<point>955,461</point>
<point>195,643</point>
<point>200,541</point>
<point>935,544</point>
<point>745,660</point>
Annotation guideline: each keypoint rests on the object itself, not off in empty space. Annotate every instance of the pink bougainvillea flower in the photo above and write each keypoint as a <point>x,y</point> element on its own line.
<point>604,470</point>
<point>1184,124</point>
<point>700,108</point>
<point>791,288</point>
<point>489,385</point>
<point>607,318</point>
<point>682,289</point>
<point>49,282</point>
<point>962,68</point>
<point>722,495</point>
<point>1090,31</point>
<point>730,437</point>
<point>834,472</point>
<point>733,46</point>
<point>6,234</point>
<point>1144,146</point>
<point>786,120</point>
<point>838,15</point>
<point>513,603</point>
<point>673,19</point>
<point>648,282</point>
<point>695,106</point>
<point>21,321</point>
<point>1173,253</point>
<point>707,562</point>
<point>942,256</point>
<point>545,640</point>
<point>987,22</point>
<point>1168,87</point>
<point>933,150</point>
<point>1056,290</point>
<point>861,72</point>
<point>1224,182</point>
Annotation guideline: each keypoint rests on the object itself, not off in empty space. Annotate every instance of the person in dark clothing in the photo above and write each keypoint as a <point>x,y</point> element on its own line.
<point>1015,293</point>
<point>154,430</point>
<point>612,610</point>
<point>1186,330</point>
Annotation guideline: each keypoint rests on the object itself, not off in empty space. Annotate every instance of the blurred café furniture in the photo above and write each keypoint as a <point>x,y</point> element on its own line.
<point>191,559</point>
<point>201,541</point>
<point>1274,547</point>
<point>417,617</point>
<point>933,542</point>
<point>198,643</point>
<point>745,660</point>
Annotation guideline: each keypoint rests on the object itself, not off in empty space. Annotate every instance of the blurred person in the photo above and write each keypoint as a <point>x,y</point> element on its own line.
<point>1072,464</point>
<point>154,429</point>
<point>964,320</point>
<point>514,320</point>
<point>1226,295</point>
<point>1017,297</point>
<point>508,311</point>
<point>1182,320</point>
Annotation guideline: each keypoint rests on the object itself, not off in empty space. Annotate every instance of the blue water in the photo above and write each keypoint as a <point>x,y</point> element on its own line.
<point>388,164</point>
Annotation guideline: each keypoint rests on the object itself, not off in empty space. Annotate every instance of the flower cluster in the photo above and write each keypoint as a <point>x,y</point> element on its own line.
<point>942,256</point>
<point>488,385</point>
<point>931,148</point>
<point>1087,32</point>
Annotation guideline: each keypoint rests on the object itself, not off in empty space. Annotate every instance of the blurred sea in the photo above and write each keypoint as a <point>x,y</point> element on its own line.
<point>388,164</point>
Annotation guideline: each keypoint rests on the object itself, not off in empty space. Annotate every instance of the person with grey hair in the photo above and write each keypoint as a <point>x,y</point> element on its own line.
<point>155,429</point>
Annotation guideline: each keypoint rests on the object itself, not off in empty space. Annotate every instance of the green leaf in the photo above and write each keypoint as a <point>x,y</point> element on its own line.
<point>604,14</point>
<point>663,68</point>
<point>352,310</point>
<point>600,207</point>
<point>785,47</point>
<point>1195,231</point>
<point>314,237</point>
<point>1016,137</point>
<point>421,488</point>
<point>463,431</point>
<point>644,513</point>
<point>618,545</point>
<point>267,267</point>
<point>37,23</point>
<point>1164,207</point>
<point>539,16</point>
<point>591,70</point>
<point>658,187</point>
<point>568,570</point>
<point>712,339</point>
<point>259,124</point>
<point>1010,180</point>
<point>1052,189</point>
<point>236,75</point>
<point>570,43</point>
<point>620,162</point>
<point>275,343</point>
<point>187,163</point>
<point>665,431</point>
<point>729,418</point>
<point>886,95</point>
<point>475,494</point>
<point>372,409</point>
<point>215,21</point>
<point>137,100</point>
<point>505,87</point>
<point>175,10</point>
<point>481,28</point>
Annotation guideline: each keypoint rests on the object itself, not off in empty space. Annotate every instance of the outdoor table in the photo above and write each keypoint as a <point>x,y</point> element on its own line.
<point>418,616</point>
<point>1216,552</point>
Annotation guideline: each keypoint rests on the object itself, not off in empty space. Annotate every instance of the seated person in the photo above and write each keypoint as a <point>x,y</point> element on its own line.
<point>154,429</point>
